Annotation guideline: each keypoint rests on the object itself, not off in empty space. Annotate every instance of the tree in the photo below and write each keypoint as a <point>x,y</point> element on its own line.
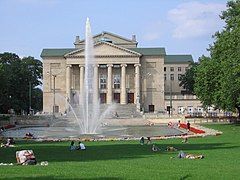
<point>18,77</point>
<point>218,77</point>
<point>187,80</point>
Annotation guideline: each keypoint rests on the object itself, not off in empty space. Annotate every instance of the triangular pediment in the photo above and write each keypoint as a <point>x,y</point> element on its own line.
<point>105,49</point>
<point>116,39</point>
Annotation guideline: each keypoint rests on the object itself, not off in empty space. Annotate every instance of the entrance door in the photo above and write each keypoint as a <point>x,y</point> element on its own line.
<point>151,108</point>
<point>56,109</point>
<point>130,98</point>
<point>103,98</point>
<point>116,97</point>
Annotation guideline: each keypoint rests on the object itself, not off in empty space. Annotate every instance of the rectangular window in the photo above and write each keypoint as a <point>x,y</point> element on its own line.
<point>179,76</point>
<point>165,69</point>
<point>165,77</point>
<point>199,109</point>
<point>102,66</point>
<point>186,68</point>
<point>117,66</point>
<point>180,110</point>
<point>172,77</point>
<point>179,69</point>
<point>116,81</point>
<point>171,68</point>
<point>103,81</point>
<point>190,109</point>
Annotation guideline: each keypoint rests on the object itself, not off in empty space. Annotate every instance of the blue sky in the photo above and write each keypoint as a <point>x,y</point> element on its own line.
<point>181,26</point>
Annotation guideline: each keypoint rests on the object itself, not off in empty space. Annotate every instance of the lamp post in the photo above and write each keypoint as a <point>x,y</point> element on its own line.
<point>54,90</point>
<point>170,113</point>
<point>30,97</point>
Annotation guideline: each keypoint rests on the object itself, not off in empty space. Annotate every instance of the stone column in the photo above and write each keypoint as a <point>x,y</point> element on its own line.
<point>68,83</point>
<point>137,86</point>
<point>81,66</point>
<point>123,84</point>
<point>109,84</point>
<point>95,84</point>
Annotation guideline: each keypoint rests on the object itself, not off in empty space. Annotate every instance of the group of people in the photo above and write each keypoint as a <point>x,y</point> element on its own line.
<point>142,140</point>
<point>149,141</point>
<point>80,146</point>
<point>181,154</point>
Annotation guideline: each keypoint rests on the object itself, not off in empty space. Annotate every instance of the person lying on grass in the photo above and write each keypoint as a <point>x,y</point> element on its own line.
<point>170,148</point>
<point>155,148</point>
<point>190,156</point>
<point>9,143</point>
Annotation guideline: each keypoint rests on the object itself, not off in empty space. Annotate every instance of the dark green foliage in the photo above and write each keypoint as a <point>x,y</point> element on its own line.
<point>218,77</point>
<point>16,77</point>
<point>187,80</point>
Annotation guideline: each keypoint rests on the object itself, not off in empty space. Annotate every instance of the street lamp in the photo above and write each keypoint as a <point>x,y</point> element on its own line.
<point>30,97</point>
<point>170,113</point>
<point>30,68</point>
<point>54,90</point>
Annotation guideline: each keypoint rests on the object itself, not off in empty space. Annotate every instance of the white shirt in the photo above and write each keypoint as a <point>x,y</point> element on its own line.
<point>82,146</point>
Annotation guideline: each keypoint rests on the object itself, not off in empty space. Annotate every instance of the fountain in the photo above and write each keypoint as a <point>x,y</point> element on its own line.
<point>87,119</point>
<point>90,117</point>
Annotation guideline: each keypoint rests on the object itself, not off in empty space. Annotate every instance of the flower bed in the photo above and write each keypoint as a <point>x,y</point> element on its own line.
<point>197,131</point>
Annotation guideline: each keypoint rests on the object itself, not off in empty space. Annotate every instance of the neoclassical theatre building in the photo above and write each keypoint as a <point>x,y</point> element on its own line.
<point>125,74</point>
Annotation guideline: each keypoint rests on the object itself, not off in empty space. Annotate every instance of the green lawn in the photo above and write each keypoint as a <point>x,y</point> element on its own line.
<point>130,160</point>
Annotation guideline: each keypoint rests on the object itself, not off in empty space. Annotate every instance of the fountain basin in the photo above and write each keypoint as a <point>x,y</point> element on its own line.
<point>104,132</point>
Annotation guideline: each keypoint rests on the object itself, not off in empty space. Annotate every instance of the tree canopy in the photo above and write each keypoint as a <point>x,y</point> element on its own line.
<point>19,77</point>
<point>217,78</point>
<point>187,80</point>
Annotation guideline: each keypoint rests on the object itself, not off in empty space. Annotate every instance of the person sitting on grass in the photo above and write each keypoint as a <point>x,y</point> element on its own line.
<point>72,146</point>
<point>190,156</point>
<point>29,135</point>
<point>142,141</point>
<point>81,146</point>
<point>155,148</point>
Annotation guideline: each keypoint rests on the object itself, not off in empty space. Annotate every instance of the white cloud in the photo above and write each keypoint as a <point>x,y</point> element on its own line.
<point>196,19</point>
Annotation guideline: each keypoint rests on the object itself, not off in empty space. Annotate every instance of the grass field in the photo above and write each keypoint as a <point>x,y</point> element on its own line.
<point>130,160</point>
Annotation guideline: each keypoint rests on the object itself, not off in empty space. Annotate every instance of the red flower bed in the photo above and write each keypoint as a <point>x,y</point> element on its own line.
<point>9,126</point>
<point>197,131</point>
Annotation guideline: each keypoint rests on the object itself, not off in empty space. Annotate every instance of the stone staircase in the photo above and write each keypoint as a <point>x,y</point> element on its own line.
<point>116,111</point>
<point>127,111</point>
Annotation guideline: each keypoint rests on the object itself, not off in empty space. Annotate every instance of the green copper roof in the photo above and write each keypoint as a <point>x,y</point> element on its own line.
<point>178,59</point>
<point>150,51</point>
<point>56,52</point>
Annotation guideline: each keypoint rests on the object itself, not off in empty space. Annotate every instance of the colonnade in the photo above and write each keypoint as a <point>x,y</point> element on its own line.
<point>123,90</point>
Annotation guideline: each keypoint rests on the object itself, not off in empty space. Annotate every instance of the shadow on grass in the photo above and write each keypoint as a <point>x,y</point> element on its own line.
<point>185,177</point>
<point>59,152</point>
<point>56,177</point>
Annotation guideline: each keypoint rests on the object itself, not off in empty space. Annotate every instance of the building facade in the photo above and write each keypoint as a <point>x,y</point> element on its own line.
<point>124,74</point>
